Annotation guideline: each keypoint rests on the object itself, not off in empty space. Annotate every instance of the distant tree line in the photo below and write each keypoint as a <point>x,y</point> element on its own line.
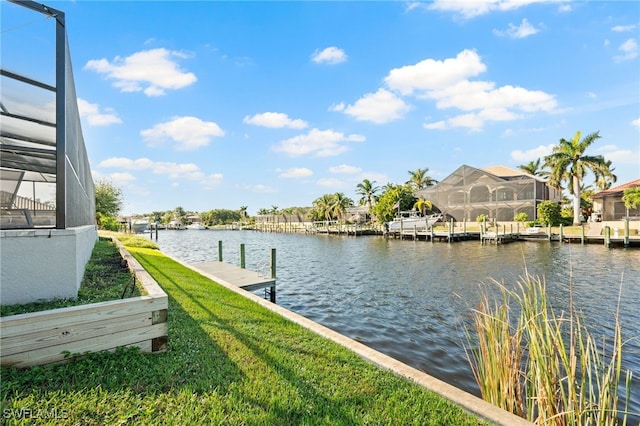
<point>566,168</point>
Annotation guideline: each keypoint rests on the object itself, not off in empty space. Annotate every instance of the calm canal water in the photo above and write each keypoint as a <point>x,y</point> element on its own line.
<point>407,299</point>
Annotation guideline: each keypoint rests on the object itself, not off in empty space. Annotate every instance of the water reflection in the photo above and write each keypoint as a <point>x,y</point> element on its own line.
<point>406,299</point>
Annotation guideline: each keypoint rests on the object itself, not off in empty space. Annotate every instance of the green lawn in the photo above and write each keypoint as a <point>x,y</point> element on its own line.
<point>230,361</point>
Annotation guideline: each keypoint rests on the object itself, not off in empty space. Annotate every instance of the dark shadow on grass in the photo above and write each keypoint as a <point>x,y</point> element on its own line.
<point>193,362</point>
<point>332,410</point>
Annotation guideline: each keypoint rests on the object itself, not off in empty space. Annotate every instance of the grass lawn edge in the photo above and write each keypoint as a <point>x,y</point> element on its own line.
<point>469,402</point>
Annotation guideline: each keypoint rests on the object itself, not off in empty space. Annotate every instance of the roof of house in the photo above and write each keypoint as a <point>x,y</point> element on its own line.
<point>617,190</point>
<point>504,171</point>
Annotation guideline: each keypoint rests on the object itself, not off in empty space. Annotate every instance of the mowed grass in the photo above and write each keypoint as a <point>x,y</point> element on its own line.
<point>230,361</point>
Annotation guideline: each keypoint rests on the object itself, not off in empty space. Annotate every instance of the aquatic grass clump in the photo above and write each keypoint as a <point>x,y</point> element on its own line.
<point>543,366</point>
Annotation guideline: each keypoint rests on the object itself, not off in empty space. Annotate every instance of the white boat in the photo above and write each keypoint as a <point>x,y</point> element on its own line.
<point>412,220</point>
<point>175,225</point>
<point>140,226</point>
<point>196,226</point>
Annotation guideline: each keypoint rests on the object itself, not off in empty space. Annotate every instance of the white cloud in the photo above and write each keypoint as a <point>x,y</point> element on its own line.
<point>629,50</point>
<point>331,183</point>
<point>592,95</point>
<point>471,9</point>
<point>121,178</point>
<point>447,82</point>
<point>636,122</point>
<point>532,154</point>
<point>211,181</point>
<point>345,169</point>
<point>623,28</point>
<point>275,120</point>
<point>525,29</point>
<point>337,107</point>
<point>380,107</point>
<point>472,95</point>
<point>93,115</point>
<point>432,74</point>
<point>263,189</point>
<point>322,143</point>
<point>173,170</point>
<point>619,156</point>
<point>330,55</point>
<point>188,133</point>
<point>564,8</point>
<point>295,172</point>
<point>152,71</point>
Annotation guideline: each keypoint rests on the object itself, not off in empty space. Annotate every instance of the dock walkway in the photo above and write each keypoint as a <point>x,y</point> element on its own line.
<point>237,276</point>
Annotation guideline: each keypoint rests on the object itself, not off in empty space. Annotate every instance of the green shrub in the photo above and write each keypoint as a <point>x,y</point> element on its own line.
<point>549,213</point>
<point>521,217</point>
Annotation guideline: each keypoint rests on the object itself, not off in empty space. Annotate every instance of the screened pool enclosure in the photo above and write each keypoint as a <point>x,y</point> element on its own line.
<point>498,192</point>
<point>44,170</point>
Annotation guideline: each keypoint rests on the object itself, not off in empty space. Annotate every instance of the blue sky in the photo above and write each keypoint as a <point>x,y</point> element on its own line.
<point>208,105</point>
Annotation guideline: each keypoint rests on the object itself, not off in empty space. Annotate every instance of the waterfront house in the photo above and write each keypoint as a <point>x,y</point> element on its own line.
<point>48,217</point>
<point>608,204</point>
<point>498,192</point>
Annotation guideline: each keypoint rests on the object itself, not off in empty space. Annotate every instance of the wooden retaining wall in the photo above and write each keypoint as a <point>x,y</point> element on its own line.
<point>44,337</point>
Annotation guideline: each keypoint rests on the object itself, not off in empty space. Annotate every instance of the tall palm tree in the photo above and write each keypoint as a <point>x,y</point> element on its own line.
<point>569,162</point>
<point>323,205</point>
<point>419,179</point>
<point>339,205</point>
<point>533,168</point>
<point>367,190</point>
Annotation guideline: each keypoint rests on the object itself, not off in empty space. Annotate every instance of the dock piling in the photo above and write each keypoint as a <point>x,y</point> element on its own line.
<point>626,232</point>
<point>272,293</point>
<point>219,251</point>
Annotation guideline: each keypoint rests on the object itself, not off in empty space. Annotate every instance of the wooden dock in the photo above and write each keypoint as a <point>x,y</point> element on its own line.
<point>239,277</point>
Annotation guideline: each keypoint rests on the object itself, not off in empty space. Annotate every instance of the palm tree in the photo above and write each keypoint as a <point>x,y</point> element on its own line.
<point>420,180</point>
<point>243,211</point>
<point>569,162</point>
<point>339,204</point>
<point>367,190</point>
<point>533,168</point>
<point>605,181</point>
<point>423,205</point>
<point>323,206</point>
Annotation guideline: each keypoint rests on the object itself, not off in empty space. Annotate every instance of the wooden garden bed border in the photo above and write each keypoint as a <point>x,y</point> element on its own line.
<point>45,337</point>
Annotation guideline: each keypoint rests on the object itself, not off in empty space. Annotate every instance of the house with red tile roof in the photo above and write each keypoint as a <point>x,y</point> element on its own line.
<point>609,204</point>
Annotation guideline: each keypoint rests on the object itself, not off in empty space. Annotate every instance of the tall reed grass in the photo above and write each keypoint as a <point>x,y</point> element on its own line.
<point>544,366</point>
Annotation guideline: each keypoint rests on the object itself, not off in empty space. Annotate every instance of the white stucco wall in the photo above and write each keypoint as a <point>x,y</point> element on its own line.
<point>43,264</point>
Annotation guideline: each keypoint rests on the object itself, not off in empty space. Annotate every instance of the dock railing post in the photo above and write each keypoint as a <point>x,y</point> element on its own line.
<point>273,275</point>
<point>219,250</point>
<point>242,263</point>
<point>626,232</point>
